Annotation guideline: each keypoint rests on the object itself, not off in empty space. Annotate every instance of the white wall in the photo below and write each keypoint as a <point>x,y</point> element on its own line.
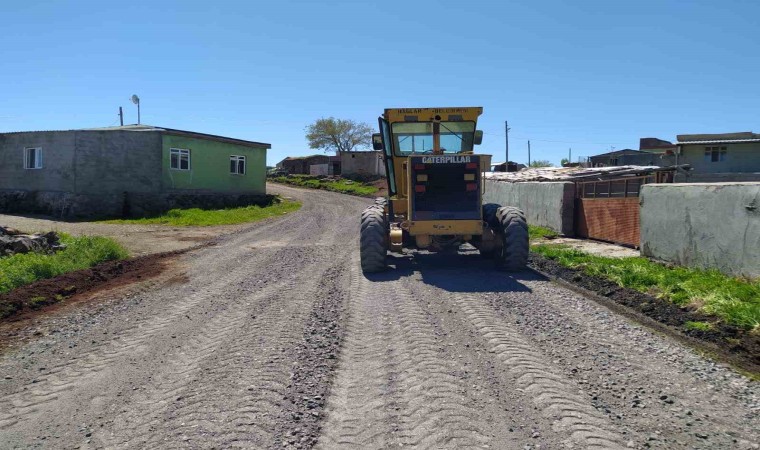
<point>546,204</point>
<point>707,225</point>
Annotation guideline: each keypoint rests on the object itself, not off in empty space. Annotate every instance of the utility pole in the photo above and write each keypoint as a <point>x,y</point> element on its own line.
<point>121,116</point>
<point>569,155</point>
<point>528,153</point>
<point>506,129</point>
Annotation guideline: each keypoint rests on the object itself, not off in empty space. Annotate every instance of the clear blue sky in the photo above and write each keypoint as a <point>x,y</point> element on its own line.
<point>587,74</point>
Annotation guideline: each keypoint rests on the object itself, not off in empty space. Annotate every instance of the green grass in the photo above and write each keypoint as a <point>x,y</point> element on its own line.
<point>536,232</point>
<point>736,301</point>
<point>80,253</point>
<point>700,326</point>
<point>205,218</point>
<point>341,185</point>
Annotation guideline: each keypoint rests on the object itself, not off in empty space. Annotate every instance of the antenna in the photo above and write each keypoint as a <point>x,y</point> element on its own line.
<point>136,100</point>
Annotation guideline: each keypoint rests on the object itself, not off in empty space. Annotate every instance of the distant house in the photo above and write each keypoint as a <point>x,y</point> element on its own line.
<point>364,163</point>
<point>626,157</point>
<point>299,165</point>
<point>127,171</point>
<point>720,157</point>
<point>655,145</point>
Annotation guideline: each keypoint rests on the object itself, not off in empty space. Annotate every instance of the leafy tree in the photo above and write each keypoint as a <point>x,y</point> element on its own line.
<point>541,163</point>
<point>564,161</point>
<point>338,135</point>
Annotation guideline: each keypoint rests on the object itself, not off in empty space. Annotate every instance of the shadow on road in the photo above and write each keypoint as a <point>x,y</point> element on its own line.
<point>465,271</point>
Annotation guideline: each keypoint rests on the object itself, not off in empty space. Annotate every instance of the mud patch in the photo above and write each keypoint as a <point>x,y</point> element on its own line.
<point>732,344</point>
<point>44,296</point>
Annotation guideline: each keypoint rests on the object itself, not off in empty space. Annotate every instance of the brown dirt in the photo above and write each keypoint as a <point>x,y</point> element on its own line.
<point>382,187</point>
<point>735,345</point>
<point>25,305</point>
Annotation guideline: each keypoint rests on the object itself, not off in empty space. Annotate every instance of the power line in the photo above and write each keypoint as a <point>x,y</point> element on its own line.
<point>555,141</point>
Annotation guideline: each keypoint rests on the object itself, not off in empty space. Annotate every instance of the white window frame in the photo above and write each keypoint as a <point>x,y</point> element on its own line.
<point>37,158</point>
<point>720,153</point>
<point>238,159</point>
<point>179,152</point>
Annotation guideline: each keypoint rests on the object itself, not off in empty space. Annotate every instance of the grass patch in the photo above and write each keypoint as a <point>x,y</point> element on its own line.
<point>736,301</point>
<point>341,185</point>
<point>536,232</point>
<point>207,217</point>
<point>699,326</point>
<point>80,253</point>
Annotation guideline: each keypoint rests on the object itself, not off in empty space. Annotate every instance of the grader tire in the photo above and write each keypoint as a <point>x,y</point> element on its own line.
<point>489,217</point>
<point>514,231</point>
<point>372,240</point>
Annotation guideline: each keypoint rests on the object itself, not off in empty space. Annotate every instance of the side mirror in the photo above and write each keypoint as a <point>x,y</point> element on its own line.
<point>377,141</point>
<point>478,138</point>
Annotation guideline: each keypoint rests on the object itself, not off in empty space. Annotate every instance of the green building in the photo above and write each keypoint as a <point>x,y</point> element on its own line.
<point>130,170</point>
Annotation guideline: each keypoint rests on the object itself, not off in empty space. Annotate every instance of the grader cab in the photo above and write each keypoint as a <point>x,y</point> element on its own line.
<point>435,191</point>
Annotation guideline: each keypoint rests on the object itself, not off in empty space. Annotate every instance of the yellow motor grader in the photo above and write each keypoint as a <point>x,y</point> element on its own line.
<point>435,191</point>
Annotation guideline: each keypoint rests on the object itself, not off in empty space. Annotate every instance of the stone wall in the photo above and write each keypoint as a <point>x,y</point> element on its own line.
<point>706,225</point>
<point>546,204</point>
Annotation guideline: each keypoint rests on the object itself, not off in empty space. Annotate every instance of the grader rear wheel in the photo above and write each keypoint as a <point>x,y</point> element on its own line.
<point>373,240</point>
<point>514,232</point>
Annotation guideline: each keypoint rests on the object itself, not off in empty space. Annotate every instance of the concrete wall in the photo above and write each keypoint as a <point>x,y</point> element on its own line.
<point>550,205</point>
<point>83,174</point>
<point>83,162</point>
<point>362,163</point>
<point>707,225</point>
<point>210,166</point>
<point>319,169</point>
<point>739,158</point>
<point>692,177</point>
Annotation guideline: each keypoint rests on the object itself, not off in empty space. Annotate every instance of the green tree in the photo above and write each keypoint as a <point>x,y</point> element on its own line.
<point>338,135</point>
<point>541,163</point>
<point>564,161</point>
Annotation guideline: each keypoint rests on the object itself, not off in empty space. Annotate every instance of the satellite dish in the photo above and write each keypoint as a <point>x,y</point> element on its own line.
<point>135,99</point>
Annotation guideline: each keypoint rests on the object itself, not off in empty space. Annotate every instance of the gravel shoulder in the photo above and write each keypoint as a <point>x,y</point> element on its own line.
<point>273,338</point>
<point>137,238</point>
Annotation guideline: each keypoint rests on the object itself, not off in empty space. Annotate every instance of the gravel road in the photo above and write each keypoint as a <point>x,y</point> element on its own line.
<point>274,338</point>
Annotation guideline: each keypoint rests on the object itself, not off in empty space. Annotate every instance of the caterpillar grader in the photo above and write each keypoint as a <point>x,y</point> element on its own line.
<point>435,191</point>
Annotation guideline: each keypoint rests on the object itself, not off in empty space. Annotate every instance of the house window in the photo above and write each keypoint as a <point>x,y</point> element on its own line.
<point>180,158</point>
<point>237,165</point>
<point>33,158</point>
<point>715,154</point>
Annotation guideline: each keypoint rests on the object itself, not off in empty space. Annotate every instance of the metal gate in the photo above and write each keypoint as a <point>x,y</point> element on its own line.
<point>609,210</point>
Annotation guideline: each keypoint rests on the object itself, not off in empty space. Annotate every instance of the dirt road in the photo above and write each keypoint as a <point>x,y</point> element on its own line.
<point>276,339</point>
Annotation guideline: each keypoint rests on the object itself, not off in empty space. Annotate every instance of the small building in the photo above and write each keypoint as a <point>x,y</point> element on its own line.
<point>363,163</point>
<point>510,166</point>
<point>627,157</point>
<point>655,145</point>
<point>720,157</point>
<point>132,170</point>
<point>299,165</point>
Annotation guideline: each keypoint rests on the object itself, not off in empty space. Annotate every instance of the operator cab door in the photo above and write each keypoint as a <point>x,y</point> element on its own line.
<point>385,134</point>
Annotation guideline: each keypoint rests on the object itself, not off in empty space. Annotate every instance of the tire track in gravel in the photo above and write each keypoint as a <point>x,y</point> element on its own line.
<point>556,396</point>
<point>396,385</point>
<point>62,378</point>
<point>287,264</point>
<point>171,384</point>
<point>243,412</point>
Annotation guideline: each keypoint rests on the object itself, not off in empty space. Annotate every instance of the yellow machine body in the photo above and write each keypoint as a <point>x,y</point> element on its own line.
<point>431,165</point>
